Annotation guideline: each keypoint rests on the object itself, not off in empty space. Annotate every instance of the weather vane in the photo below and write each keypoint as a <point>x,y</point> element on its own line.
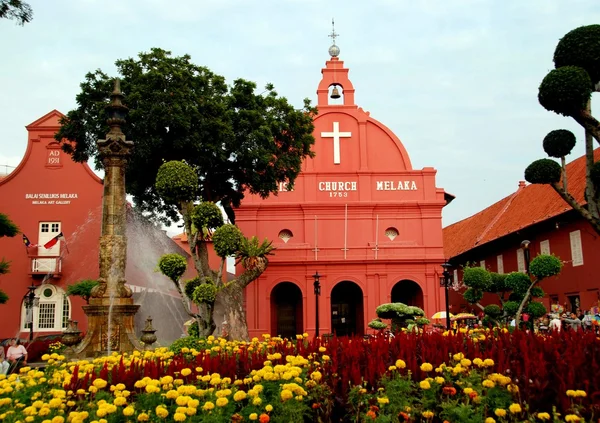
<point>333,34</point>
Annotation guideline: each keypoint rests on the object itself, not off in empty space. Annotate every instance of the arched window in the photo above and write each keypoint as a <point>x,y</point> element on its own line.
<point>391,233</point>
<point>285,235</point>
<point>51,313</point>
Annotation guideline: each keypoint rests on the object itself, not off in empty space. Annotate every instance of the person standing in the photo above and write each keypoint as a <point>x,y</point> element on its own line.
<point>555,323</point>
<point>4,365</point>
<point>16,355</point>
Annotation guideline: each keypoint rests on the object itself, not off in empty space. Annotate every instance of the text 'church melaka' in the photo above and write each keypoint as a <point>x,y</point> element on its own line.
<point>359,220</point>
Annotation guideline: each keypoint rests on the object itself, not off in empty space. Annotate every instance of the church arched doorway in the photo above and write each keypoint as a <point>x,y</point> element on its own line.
<point>286,310</point>
<point>408,292</point>
<point>347,309</point>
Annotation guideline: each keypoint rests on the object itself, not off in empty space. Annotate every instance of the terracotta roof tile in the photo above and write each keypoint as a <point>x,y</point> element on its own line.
<point>528,205</point>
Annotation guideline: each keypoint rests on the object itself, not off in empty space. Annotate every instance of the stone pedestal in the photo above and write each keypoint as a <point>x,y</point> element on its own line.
<point>102,337</point>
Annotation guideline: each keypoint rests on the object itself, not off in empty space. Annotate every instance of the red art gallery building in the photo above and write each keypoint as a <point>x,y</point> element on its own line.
<point>358,214</point>
<point>48,194</point>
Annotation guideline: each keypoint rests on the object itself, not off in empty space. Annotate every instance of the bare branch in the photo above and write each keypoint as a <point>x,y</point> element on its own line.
<point>594,221</point>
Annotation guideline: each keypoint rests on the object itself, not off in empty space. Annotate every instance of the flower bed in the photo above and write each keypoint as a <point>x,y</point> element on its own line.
<point>469,377</point>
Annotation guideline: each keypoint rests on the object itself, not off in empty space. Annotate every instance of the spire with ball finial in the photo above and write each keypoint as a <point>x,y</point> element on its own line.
<point>334,50</point>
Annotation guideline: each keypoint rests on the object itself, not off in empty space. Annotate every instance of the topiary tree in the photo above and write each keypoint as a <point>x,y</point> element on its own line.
<point>9,229</point>
<point>541,267</point>
<point>480,281</point>
<point>567,90</point>
<point>401,315</point>
<point>377,324</point>
<point>82,289</point>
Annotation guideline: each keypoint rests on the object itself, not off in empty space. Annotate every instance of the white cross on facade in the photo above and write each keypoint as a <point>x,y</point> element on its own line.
<point>336,135</point>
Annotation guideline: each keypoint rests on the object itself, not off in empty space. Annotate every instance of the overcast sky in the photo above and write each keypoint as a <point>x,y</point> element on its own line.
<point>456,80</point>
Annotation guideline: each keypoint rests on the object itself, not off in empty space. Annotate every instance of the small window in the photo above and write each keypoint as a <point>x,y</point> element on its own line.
<point>391,233</point>
<point>500,263</point>
<point>54,227</point>
<point>521,260</point>
<point>48,292</point>
<point>576,248</point>
<point>482,263</point>
<point>51,313</point>
<point>285,235</point>
<point>45,227</point>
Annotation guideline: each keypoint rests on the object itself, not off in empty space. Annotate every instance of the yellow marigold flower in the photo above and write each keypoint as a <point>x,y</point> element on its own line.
<point>186,372</point>
<point>478,362</point>
<point>161,411</point>
<point>316,376</point>
<point>424,384</point>
<point>426,367</point>
<point>143,417</point>
<point>383,400</point>
<point>580,393</point>
<point>427,414</point>
<point>458,356</point>
<point>269,408</point>
<point>179,417</point>
<point>322,349</point>
<point>286,394</point>
<point>500,412</point>
<point>256,401</point>
<point>400,364</point>
<point>101,412</point>
<point>100,383</point>
<point>172,394</point>
<point>488,362</point>
<point>253,416</point>
<point>572,418</point>
<point>120,401</point>
<point>512,388</point>
<point>128,411</point>
<point>58,419</point>
<point>325,357</point>
<point>515,408</point>
<point>392,368</point>
<point>468,390</point>
<point>543,416</point>
<point>488,383</point>
<point>490,420</point>
<point>465,362</point>
<point>571,393</point>
<point>439,380</point>
<point>221,402</point>
<point>239,396</point>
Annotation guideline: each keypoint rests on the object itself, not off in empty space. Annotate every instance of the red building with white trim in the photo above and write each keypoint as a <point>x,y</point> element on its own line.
<point>358,214</point>
<point>492,238</point>
<point>48,194</point>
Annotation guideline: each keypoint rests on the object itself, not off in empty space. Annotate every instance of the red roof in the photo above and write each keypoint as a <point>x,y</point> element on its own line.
<point>529,205</point>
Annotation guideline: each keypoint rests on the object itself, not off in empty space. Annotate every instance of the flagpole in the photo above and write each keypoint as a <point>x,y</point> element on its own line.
<point>376,237</point>
<point>316,249</point>
<point>345,231</point>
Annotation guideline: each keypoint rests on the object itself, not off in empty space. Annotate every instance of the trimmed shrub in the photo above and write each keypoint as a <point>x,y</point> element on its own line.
<point>543,171</point>
<point>559,143</point>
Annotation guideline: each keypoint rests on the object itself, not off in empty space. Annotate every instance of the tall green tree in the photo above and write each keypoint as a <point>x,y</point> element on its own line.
<point>567,90</point>
<point>217,142</point>
<point>7,228</point>
<point>16,10</point>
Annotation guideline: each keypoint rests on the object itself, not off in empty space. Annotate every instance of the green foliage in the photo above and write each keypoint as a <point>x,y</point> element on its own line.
<point>498,282</point>
<point>493,310</point>
<point>398,311</point>
<point>251,250</point>
<point>82,289</point>
<point>580,47</point>
<point>472,295</point>
<point>3,297</point>
<point>193,330</point>
<point>537,292</point>
<point>4,266</point>
<point>191,284</point>
<point>7,227</point>
<point>545,265</point>
<point>595,175</point>
<point>207,215</point>
<point>189,342</point>
<point>172,266</point>
<point>487,321</point>
<point>518,282</point>
<point>237,138</point>
<point>227,240</point>
<point>16,10</point>
<point>559,143</point>
<point>565,90</point>
<point>535,309</point>
<point>477,278</point>
<point>422,321</point>
<point>205,293</point>
<point>543,171</point>
<point>377,324</point>
<point>176,181</point>
<point>511,307</point>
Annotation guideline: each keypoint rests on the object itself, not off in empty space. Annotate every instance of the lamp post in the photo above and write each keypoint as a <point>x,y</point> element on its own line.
<point>317,287</point>
<point>30,301</point>
<point>526,254</point>
<point>445,281</point>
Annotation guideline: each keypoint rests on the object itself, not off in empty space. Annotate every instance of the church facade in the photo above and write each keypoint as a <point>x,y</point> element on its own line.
<point>359,222</point>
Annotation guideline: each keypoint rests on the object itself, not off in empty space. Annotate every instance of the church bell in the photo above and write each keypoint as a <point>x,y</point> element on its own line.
<point>335,93</point>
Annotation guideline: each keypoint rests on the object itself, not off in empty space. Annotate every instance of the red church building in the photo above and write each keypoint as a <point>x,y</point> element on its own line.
<point>49,194</point>
<point>493,239</point>
<point>358,214</point>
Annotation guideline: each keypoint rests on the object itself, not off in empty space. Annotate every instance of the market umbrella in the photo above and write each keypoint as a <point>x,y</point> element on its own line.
<point>441,315</point>
<point>464,316</point>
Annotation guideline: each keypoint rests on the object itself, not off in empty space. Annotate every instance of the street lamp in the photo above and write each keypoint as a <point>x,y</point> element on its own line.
<point>30,301</point>
<point>317,287</point>
<point>525,247</point>
<point>445,281</point>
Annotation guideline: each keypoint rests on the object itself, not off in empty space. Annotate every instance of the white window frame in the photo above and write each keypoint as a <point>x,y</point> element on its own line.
<point>500,263</point>
<point>545,246</point>
<point>576,248</point>
<point>521,261</point>
<point>62,309</point>
<point>482,263</point>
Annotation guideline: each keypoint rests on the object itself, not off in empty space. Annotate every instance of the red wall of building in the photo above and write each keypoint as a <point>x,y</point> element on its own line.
<point>346,225</point>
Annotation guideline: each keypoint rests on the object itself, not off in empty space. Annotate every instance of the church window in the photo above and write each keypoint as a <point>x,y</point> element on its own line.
<point>391,233</point>
<point>51,313</point>
<point>285,235</point>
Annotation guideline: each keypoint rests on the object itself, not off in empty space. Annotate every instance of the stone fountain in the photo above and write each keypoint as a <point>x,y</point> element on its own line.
<point>111,310</point>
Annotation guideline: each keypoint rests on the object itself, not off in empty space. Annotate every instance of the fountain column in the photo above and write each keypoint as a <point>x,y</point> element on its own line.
<point>111,310</point>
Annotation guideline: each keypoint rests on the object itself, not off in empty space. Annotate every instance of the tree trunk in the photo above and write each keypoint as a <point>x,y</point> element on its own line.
<point>231,302</point>
<point>522,305</point>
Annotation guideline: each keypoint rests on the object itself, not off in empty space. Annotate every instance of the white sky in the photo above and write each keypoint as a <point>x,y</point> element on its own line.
<point>455,80</point>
